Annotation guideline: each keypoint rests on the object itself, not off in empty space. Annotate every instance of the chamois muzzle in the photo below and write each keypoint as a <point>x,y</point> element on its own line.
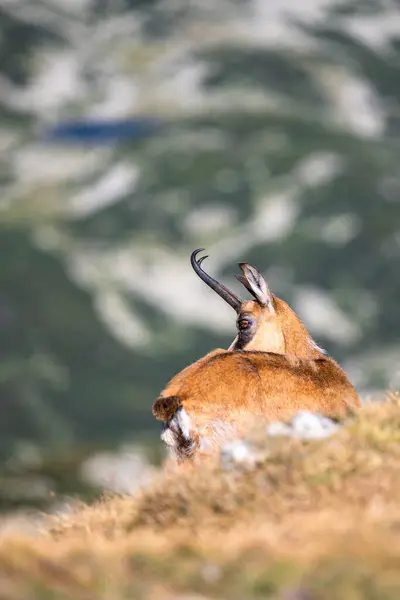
<point>221,290</point>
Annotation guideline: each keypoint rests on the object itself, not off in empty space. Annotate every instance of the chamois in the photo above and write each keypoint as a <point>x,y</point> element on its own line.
<point>273,368</point>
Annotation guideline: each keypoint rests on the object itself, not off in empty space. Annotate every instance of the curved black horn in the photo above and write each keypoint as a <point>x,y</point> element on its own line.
<point>221,290</point>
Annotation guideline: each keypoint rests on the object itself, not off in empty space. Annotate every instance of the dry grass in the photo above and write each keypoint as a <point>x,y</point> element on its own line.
<point>313,520</point>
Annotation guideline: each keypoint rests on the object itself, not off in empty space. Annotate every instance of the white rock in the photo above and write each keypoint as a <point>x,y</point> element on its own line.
<point>307,425</point>
<point>236,452</point>
<point>304,425</point>
<point>277,428</point>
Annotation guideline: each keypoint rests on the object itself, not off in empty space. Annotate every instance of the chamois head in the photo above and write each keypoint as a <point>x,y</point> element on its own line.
<point>265,324</point>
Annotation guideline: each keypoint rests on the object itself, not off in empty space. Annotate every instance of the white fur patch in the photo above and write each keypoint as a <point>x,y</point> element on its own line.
<point>205,445</point>
<point>183,422</point>
<point>315,345</point>
<point>177,434</point>
<point>232,346</point>
<point>222,431</point>
<point>168,437</point>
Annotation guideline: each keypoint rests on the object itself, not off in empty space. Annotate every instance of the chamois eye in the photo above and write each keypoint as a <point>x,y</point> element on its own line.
<point>244,323</point>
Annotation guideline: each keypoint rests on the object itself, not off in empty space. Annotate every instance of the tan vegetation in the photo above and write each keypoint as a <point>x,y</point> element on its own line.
<point>311,520</point>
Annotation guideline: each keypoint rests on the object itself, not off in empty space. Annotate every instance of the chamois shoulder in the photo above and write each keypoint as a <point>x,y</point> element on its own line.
<point>272,359</point>
<point>322,369</point>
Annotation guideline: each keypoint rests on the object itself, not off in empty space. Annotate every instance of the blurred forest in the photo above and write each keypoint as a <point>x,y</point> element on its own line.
<point>262,131</point>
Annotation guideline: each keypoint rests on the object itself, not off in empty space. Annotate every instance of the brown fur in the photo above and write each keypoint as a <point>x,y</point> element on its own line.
<point>279,371</point>
<point>165,408</point>
<point>263,382</point>
<point>228,386</point>
<point>280,331</point>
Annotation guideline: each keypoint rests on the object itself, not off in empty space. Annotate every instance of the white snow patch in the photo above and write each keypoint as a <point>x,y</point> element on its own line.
<point>124,324</point>
<point>118,180</point>
<point>209,219</point>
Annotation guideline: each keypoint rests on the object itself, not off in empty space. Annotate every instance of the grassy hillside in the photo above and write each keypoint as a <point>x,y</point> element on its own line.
<point>309,521</point>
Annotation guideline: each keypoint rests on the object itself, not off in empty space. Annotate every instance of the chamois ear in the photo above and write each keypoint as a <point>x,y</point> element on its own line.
<point>255,283</point>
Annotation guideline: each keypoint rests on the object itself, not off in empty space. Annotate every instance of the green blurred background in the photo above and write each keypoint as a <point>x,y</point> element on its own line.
<point>270,134</point>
